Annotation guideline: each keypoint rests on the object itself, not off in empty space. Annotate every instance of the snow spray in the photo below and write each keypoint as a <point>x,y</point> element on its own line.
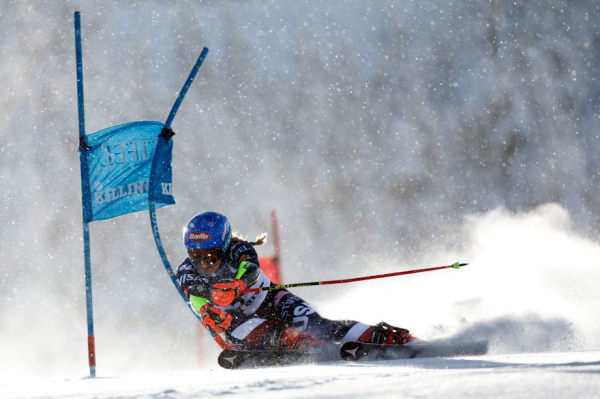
<point>531,287</point>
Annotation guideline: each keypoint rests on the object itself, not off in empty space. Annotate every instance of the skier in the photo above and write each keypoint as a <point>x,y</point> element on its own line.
<point>220,266</point>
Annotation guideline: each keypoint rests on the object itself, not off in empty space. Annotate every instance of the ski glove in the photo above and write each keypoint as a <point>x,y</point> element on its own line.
<point>215,319</point>
<point>225,291</point>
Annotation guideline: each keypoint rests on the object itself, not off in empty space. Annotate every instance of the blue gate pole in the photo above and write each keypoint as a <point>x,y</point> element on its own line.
<point>185,87</point>
<point>85,195</point>
<point>159,147</point>
<point>222,338</point>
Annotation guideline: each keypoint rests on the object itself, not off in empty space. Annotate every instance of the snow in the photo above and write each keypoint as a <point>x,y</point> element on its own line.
<point>546,375</point>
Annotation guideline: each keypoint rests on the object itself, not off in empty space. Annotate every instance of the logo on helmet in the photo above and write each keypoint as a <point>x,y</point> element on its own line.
<point>199,236</point>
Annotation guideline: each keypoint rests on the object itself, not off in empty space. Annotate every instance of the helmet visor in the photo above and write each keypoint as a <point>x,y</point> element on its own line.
<point>205,257</point>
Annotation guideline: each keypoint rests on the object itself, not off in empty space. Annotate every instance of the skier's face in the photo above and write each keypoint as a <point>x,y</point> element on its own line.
<point>208,261</point>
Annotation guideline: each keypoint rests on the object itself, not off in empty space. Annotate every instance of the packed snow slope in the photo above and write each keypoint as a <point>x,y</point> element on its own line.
<point>552,375</point>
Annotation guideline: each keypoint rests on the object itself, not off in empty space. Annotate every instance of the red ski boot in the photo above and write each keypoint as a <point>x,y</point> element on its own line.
<point>385,334</point>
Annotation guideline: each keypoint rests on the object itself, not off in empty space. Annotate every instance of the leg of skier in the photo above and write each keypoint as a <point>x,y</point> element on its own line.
<point>286,321</point>
<point>294,312</point>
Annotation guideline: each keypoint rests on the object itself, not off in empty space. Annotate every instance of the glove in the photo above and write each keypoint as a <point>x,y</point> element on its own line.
<point>225,291</point>
<point>215,319</point>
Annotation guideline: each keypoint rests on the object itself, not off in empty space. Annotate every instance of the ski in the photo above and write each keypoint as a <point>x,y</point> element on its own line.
<point>243,359</point>
<point>350,351</point>
<point>354,351</point>
<point>236,359</point>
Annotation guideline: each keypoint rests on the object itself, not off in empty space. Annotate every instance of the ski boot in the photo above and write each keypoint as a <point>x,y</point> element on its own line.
<point>386,334</point>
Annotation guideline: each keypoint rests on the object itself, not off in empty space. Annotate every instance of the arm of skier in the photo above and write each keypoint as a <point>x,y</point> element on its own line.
<point>226,291</point>
<point>213,318</point>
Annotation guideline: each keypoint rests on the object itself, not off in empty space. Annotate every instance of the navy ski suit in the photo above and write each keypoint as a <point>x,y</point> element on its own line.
<point>260,317</point>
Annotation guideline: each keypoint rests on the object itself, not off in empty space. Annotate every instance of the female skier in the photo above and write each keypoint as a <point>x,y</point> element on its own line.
<point>220,266</point>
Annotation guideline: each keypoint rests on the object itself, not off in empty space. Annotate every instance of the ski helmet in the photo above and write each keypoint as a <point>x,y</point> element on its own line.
<point>207,230</point>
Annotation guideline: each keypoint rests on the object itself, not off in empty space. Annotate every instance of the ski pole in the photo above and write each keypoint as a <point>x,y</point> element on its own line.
<point>456,265</point>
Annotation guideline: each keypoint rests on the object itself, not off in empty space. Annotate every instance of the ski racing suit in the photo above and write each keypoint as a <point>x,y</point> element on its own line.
<point>260,318</point>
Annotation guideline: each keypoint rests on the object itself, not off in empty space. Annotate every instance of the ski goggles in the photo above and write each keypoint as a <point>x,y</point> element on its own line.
<point>205,256</point>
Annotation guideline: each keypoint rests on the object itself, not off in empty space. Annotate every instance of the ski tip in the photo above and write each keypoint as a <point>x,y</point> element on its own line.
<point>349,351</point>
<point>229,359</point>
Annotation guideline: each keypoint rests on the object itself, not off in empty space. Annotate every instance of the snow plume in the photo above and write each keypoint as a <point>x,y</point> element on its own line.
<point>531,285</point>
<point>517,334</point>
<point>536,273</point>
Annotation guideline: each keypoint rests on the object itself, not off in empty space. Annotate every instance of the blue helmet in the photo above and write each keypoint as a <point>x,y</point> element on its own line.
<point>207,230</point>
